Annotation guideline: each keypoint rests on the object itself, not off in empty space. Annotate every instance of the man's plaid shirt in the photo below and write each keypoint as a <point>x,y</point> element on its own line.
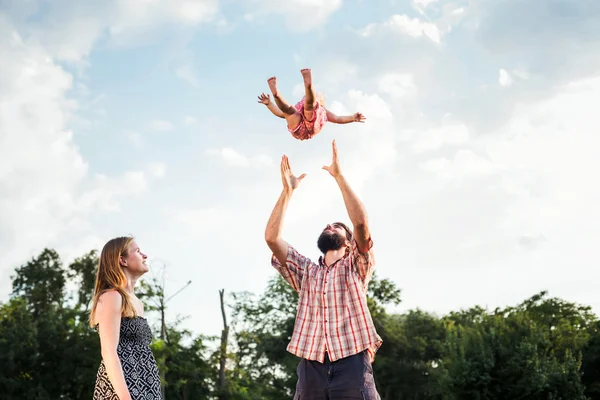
<point>332,315</point>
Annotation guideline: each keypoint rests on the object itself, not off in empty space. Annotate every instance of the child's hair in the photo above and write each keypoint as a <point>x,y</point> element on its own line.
<point>321,99</point>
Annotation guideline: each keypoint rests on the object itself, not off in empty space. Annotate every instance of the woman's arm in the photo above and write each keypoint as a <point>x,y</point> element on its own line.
<point>108,318</point>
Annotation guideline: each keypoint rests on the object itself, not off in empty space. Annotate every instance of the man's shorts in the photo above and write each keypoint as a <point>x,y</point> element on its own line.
<point>347,378</point>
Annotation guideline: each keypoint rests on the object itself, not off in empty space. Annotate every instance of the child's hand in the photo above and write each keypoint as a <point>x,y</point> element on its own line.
<point>264,99</point>
<point>358,117</point>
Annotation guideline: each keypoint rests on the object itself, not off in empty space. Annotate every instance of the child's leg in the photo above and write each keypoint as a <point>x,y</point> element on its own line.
<point>309,98</point>
<point>283,105</point>
<point>292,116</point>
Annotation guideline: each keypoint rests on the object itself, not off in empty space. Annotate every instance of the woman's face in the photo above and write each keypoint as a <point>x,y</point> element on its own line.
<point>135,261</point>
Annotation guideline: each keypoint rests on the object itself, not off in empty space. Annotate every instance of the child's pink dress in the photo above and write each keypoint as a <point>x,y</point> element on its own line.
<point>307,129</point>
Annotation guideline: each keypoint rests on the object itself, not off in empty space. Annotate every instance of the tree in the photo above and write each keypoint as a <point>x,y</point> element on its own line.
<point>18,352</point>
<point>406,366</point>
<point>83,274</point>
<point>262,330</point>
<point>591,362</point>
<point>513,353</point>
<point>543,348</point>
<point>263,327</point>
<point>185,372</point>
<point>222,389</point>
<point>41,282</point>
<point>58,340</point>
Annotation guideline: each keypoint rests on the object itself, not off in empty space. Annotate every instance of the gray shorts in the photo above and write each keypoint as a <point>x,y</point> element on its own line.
<point>344,379</point>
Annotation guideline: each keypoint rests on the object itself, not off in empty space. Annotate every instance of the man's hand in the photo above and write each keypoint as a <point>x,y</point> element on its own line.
<point>358,117</point>
<point>290,182</point>
<point>264,99</point>
<point>334,168</point>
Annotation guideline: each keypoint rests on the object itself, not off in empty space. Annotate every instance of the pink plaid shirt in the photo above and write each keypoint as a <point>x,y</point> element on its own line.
<point>332,315</point>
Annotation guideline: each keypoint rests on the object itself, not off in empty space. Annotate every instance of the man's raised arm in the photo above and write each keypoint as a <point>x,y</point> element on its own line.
<point>356,210</point>
<point>278,246</point>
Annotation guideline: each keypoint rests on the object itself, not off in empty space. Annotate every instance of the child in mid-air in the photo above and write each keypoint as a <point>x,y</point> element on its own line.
<point>309,115</point>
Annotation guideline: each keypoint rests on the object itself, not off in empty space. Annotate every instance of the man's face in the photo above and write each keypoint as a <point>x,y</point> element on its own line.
<point>333,237</point>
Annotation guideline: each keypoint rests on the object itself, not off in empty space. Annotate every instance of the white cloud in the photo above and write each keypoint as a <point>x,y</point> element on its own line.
<point>201,220</point>
<point>186,73</point>
<point>311,13</point>
<point>520,73</point>
<point>233,158</point>
<point>161,125</point>
<point>106,191</point>
<point>555,141</point>
<point>448,199</point>
<point>450,133</point>
<point>525,202</point>
<point>68,29</point>
<point>138,17</point>
<point>73,40</point>
<point>397,85</point>
<point>504,78</point>
<point>45,189</point>
<point>157,170</point>
<point>370,104</point>
<point>336,71</point>
<point>189,120</point>
<point>298,91</point>
<point>403,24</point>
<point>135,137</point>
<point>373,141</point>
<point>423,3</point>
<point>466,164</point>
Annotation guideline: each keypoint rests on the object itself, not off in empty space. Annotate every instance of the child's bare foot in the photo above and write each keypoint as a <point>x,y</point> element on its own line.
<point>307,76</point>
<point>272,81</point>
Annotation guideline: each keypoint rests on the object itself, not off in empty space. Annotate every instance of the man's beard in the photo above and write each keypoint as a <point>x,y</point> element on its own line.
<point>330,241</point>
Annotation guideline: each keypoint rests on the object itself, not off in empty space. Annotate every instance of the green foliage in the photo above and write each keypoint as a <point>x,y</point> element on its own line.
<point>83,274</point>
<point>531,351</point>
<point>187,374</point>
<point>18,349</point>
<point>544,348</point>
<point>48,346</point>
<point>48,351</point>
<point>41,282</point>
<point>262,331</point>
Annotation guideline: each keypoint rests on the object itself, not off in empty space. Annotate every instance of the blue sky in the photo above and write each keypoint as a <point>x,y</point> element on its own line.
<point>477,163</point>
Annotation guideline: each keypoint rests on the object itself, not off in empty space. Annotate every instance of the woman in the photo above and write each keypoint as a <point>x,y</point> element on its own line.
<point>128,370</point>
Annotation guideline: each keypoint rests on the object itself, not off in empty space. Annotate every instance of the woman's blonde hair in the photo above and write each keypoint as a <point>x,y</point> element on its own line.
<point>110,276</point>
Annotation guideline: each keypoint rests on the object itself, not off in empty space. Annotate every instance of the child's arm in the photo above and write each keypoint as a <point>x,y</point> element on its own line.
<point>266,100</point>
<point>344,119</point>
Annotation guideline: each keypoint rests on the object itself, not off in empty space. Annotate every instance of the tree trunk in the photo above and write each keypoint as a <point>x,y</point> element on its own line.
<point>163,334</point>
<point>223,356</point>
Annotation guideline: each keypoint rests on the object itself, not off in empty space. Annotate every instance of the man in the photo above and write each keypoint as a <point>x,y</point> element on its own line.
<point>334,334</point>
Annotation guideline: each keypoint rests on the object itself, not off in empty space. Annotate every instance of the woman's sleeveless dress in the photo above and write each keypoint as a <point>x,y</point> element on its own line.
<point>137,360</point>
